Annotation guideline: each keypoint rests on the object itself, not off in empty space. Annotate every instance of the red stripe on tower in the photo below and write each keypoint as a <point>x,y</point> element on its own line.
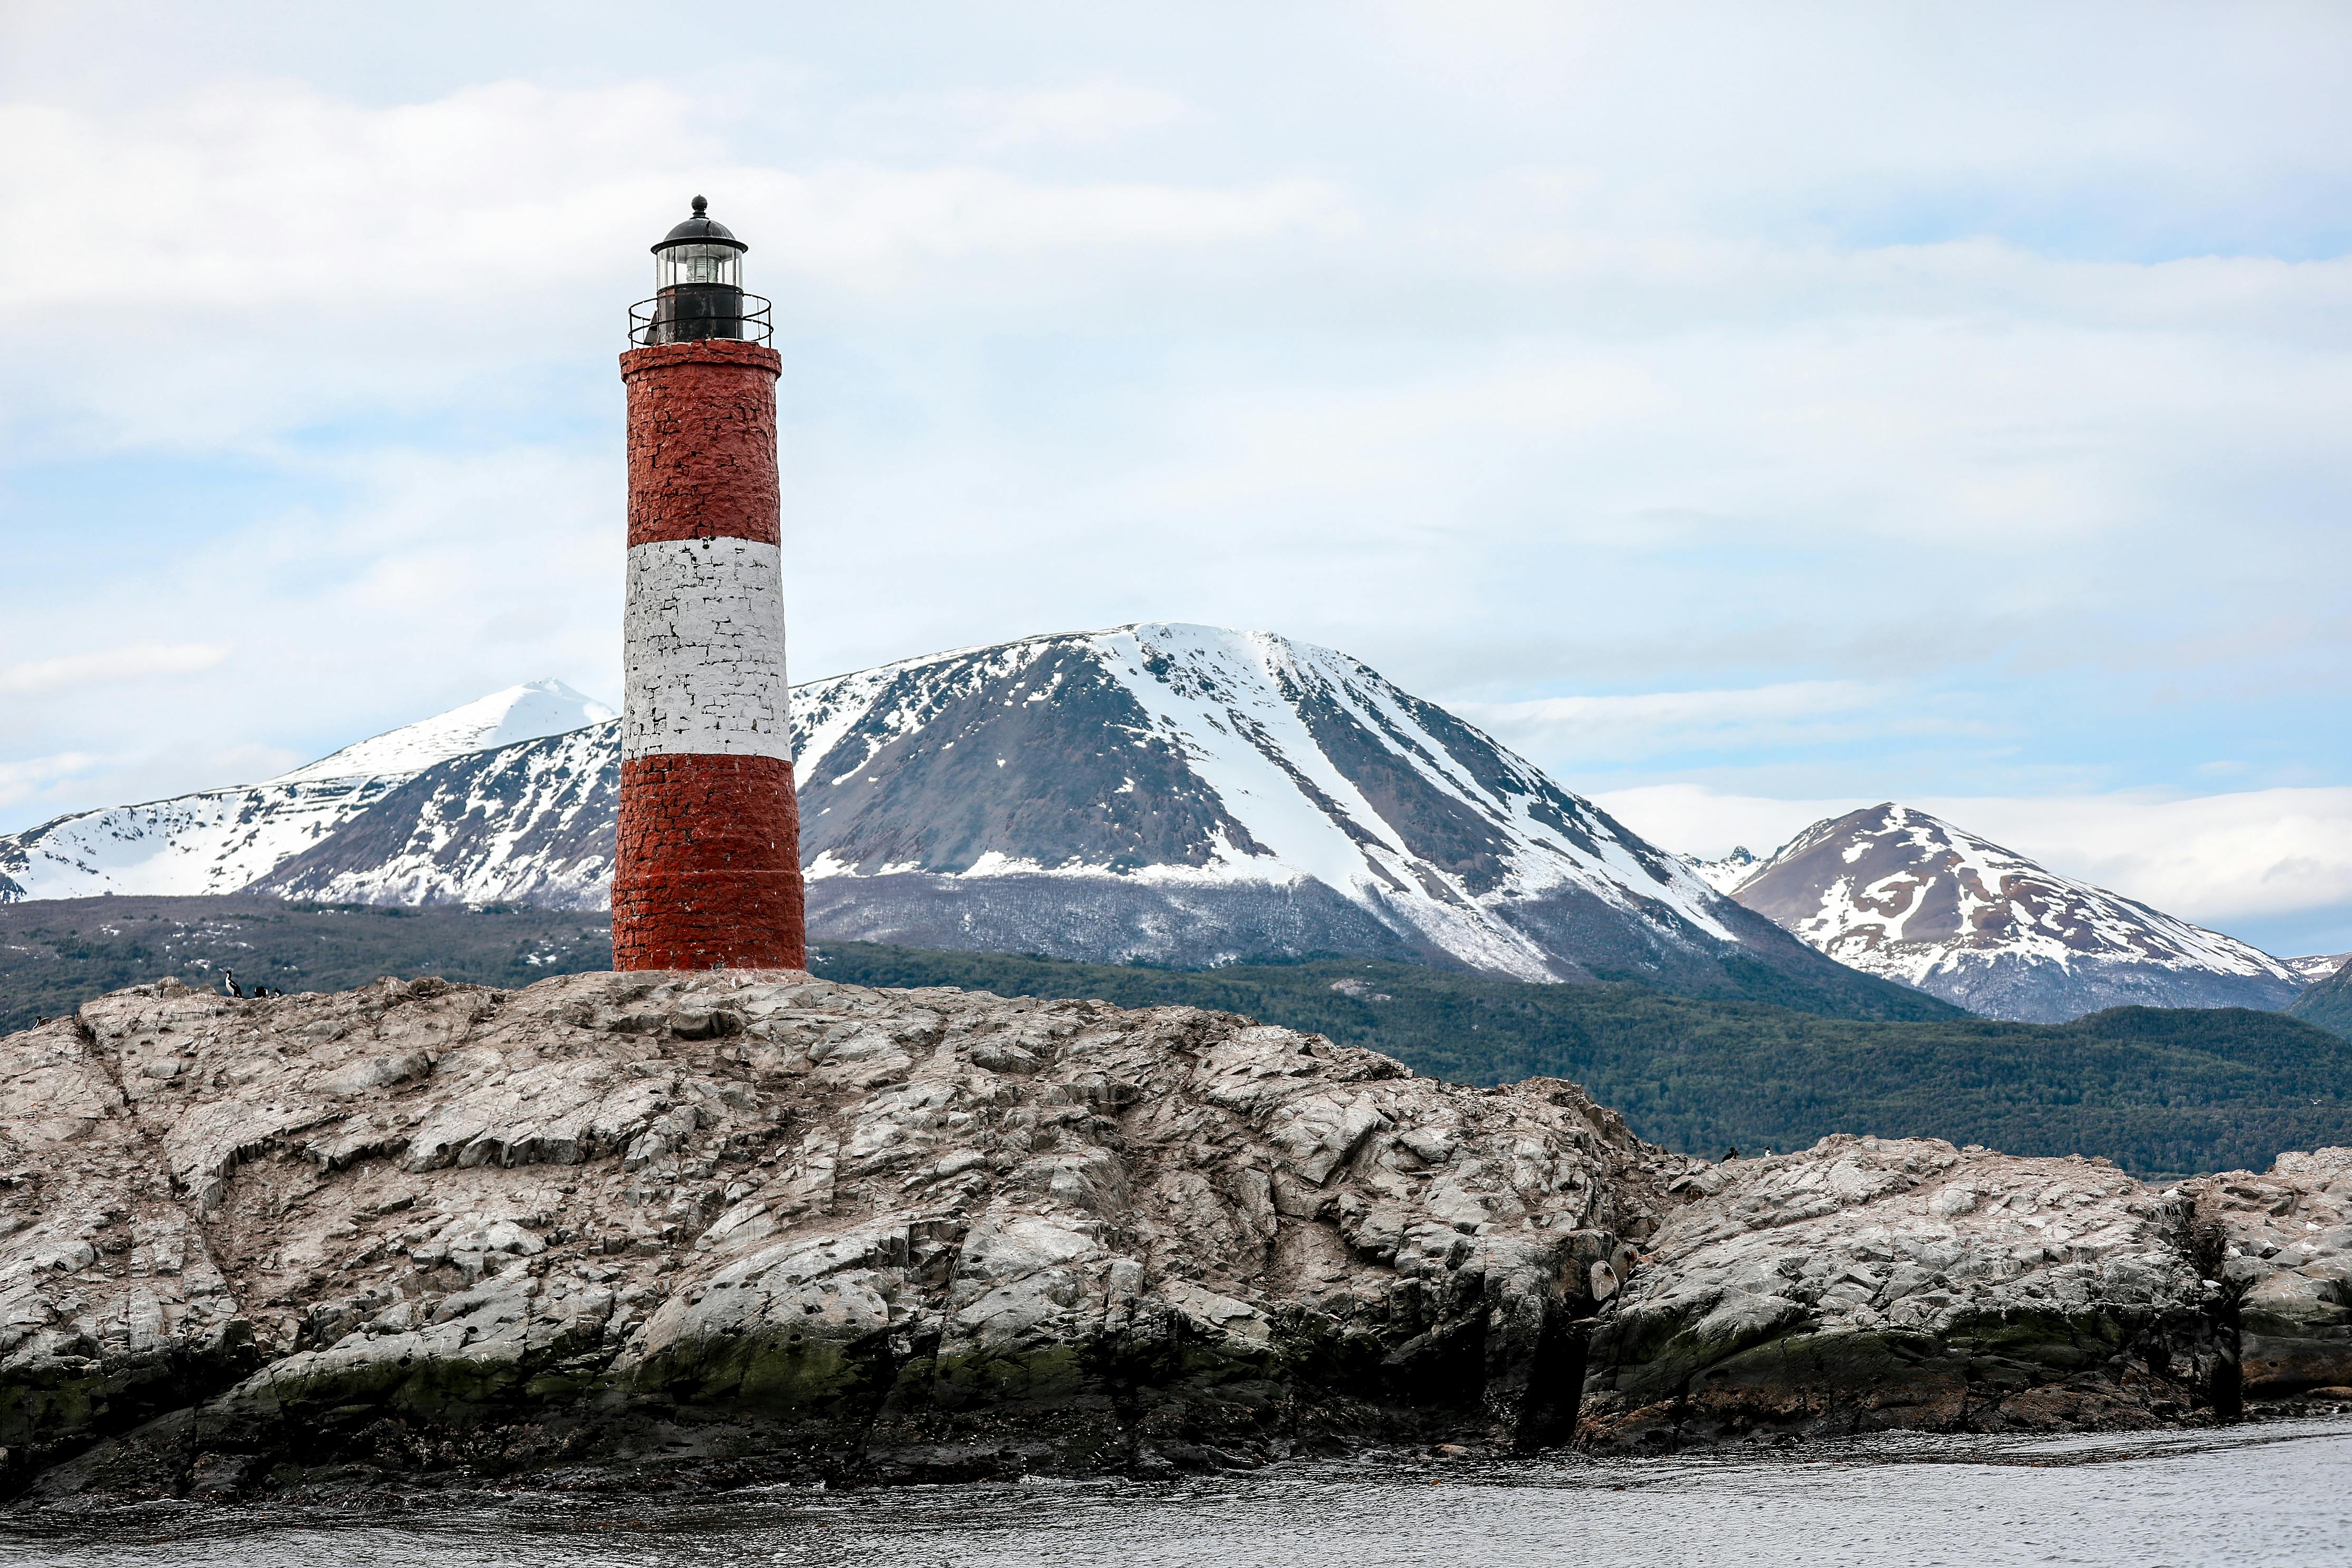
<point>708,873</point>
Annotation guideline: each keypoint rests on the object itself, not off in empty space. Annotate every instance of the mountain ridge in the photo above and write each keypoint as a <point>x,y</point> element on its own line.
<point>1895,891</point>
<point>220,840</point>
<point>1159,792</point>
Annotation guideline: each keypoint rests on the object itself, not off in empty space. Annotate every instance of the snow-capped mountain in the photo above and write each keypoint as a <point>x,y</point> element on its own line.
<point>531,822</point>
<point>1899,893</point>
<point>1188,795</point>
<point>2317,966</point>
<point>219,840</point>
<point>1175,794</point>
<point>523,712</point>
<point>1728,871</point>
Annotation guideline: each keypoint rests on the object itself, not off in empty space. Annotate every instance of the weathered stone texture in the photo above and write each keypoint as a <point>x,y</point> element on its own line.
<point>1871,1283</point>
<point>703,651</point>
<point>709,857</point>
<point>2284,1241</point>
<point>757,1226</point>
<point>702,441</point>
<point>767,1225</point>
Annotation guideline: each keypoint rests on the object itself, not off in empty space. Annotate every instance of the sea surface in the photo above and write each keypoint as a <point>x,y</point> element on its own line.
<point>2277,1494</point>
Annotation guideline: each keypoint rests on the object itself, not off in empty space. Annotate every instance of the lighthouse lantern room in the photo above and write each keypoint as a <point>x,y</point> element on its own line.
<point>698,287</point>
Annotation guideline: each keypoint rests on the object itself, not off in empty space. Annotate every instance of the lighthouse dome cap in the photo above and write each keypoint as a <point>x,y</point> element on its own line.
<point>701,229</point>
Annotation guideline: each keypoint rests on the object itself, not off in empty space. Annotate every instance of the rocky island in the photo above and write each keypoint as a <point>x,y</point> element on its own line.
<point>751,1226</point>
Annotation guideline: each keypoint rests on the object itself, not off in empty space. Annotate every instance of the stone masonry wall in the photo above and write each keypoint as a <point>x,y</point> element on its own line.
<point>710,875</point>
<point>708,870</point>
<point>702,441</point>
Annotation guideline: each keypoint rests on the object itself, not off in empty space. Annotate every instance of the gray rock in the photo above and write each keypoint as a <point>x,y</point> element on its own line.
<point>2285,1245</point>
<point>759,1226</point>
<point>768,1221</point>
<point>1869,1283</point>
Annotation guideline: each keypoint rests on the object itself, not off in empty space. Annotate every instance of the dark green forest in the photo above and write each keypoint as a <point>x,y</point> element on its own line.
<point>2328,1004</point>
<point>56,953</point>
<point>2161,1092</point>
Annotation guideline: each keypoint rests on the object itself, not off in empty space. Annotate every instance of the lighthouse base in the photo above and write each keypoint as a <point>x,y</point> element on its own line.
<point>708,873</point>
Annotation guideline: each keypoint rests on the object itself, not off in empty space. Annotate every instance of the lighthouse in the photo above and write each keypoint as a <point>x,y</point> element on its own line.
<point>708,873</point>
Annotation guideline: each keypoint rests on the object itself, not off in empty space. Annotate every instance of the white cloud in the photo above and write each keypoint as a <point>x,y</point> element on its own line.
<point>1090,112</point>
<point>1573,732</point>
<point>25,779</point>
<point>282,258</point>
<point>141,661</point>
<point>988,121</point>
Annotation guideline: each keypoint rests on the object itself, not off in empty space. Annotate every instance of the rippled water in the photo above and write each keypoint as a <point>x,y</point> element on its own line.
<point>2273,1494</point>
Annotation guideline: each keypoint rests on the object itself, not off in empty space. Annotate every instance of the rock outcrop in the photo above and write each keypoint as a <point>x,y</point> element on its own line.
<point>753,1220</point>
<point>1873,1283</point>
<point>2284,1242</point>
<point>757,1226</point>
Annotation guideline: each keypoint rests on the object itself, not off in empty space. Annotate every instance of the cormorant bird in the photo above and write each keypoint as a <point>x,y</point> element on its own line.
<point>229,986</point>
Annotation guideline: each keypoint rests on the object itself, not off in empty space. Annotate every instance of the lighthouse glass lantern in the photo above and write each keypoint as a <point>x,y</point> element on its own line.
<point>698,283</point>
<point>679,265</point>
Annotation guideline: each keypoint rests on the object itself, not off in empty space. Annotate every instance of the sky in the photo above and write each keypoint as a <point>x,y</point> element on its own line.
<point>1748,413</point>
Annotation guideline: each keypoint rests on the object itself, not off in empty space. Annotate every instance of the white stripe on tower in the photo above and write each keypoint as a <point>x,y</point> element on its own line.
<point>704,634</point>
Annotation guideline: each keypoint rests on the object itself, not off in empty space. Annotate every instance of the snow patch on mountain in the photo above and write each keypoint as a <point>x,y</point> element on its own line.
<point>2317,966</point>
<point>215,841</point>
<point>530,823</point>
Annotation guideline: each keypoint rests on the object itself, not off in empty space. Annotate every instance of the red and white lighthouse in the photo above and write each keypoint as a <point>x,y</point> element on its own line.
<point>708,875</point>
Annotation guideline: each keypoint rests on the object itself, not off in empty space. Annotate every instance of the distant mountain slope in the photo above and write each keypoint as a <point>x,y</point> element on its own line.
<point>1190,795</point>
<point>2163,1093</point>
<point>532,823</point>
<point>2317,966</point>
<point>217,841</point>
<point>1896,892</point>
<point>1175,794</point>
<point>2327,1005</point>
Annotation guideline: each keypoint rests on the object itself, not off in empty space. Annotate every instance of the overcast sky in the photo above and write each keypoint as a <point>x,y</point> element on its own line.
<point>1748,412</point>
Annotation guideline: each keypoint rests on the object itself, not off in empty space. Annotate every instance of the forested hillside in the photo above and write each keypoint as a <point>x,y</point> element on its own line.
<point>2160,1091</point>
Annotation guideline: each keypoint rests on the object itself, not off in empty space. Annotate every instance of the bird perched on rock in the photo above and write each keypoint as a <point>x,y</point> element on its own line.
<point>229,986</point>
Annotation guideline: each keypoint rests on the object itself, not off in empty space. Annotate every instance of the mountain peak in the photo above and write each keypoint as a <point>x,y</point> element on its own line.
<point>1162,791</point>
<point>1899,892</point>
<point>524,712</point>
<point>1728,871</point>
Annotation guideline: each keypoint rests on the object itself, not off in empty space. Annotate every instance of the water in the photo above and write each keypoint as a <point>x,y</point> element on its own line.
<point>2273,1494</point>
